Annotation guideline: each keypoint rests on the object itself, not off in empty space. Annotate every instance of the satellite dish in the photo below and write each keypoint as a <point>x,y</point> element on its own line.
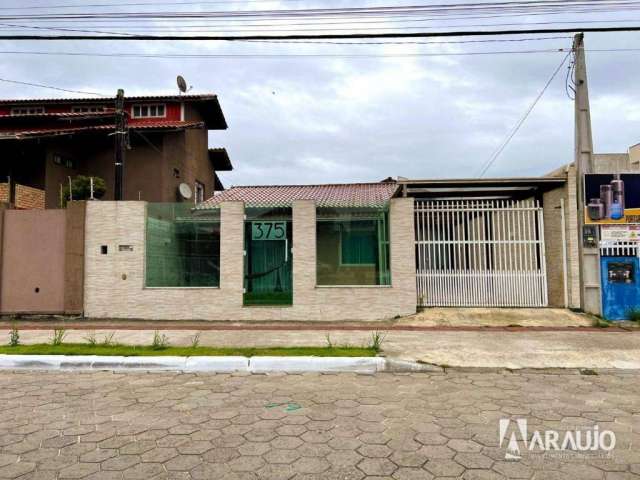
<point>182,84</point>
<point>185,191</point>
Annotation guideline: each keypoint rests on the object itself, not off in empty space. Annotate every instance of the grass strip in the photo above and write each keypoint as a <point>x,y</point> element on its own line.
<point>146,351</point>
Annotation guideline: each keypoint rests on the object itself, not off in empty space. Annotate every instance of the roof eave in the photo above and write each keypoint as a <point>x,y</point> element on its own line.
<point>219,158</point>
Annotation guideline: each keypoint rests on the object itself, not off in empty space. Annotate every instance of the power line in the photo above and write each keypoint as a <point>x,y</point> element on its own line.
<point>303,42</point>
<point>282,15</point>
<point>232,38</point>
<point>284,55</point>
<point>333,29</point>
<point>51,87</point>
<point>409,42</point>
<point>516,128</point>
<point>138,4</point>
<point>246,23</point>
<point>493,7</point>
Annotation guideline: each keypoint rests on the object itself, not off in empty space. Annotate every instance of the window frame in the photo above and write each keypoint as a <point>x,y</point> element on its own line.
<point>37,110</point>
<point>178,287</point>
<point>384,275</point>
<point>88,109</point>
<point>147,107</point>
<point>344,264</point>
<point>65,161</point>
<point>199,187</point>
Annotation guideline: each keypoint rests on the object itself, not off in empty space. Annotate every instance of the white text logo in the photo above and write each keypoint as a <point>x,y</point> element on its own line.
<point>584,441</point>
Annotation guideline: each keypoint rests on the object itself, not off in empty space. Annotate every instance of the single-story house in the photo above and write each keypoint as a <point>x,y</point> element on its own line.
<point>307,252</point>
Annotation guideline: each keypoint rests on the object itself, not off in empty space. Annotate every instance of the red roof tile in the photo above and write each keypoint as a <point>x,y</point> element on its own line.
<point>62,115</point>
<point>98,100</point>
<point>331,195</point>
<point>14,134</point>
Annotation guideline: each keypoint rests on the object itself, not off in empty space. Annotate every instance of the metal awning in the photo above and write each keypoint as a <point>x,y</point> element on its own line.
<point>479,188</point>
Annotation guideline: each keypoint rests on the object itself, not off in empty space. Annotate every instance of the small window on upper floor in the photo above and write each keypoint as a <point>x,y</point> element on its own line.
<point>199,192</point>
<point>27,110</point>
<point>87,109</point>
<point>65,161</point>
<point>148,111</point>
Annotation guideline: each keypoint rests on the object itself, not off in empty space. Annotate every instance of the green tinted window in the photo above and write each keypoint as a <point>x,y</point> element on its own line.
<point>268,260</point>
<point>182,246</point>
<point>359,243</point>
<point>352,247</point>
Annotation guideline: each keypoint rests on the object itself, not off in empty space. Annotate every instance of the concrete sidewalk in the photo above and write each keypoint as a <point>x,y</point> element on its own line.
<point>497,317</point>
<point>483,348</point>
<point>426,319</point>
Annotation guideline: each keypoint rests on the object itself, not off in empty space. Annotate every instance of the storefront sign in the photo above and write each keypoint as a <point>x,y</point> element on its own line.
<point>612,199</point>
<point>620,233</point>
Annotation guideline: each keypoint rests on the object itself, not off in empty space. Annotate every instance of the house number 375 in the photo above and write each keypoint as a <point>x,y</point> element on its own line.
<point>268,230</point>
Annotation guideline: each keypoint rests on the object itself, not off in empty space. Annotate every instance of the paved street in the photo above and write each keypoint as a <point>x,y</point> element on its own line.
<point>420,426</point>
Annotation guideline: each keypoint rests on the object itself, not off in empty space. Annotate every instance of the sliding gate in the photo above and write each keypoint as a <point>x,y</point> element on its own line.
<point>480,253</point>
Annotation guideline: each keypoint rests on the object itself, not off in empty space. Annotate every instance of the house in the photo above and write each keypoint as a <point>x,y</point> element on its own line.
<point>43,142</point>
<point>305,252</point>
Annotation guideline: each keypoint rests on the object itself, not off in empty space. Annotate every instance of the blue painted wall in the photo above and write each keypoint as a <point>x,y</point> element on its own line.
<point>619,296</point>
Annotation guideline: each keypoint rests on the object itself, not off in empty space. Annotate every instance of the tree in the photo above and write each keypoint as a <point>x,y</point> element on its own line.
<point>81,188</point>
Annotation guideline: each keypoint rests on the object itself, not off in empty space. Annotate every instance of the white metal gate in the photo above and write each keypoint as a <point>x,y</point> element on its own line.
<point>480,253</point>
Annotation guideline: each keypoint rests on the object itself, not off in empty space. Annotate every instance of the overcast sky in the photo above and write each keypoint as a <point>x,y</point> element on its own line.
<point>319,119</point>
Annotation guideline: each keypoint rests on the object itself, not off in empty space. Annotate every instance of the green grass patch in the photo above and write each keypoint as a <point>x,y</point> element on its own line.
<point>267,298</point>
<point>141,351</point>
<point>599,322</point>
<point>634,314</point>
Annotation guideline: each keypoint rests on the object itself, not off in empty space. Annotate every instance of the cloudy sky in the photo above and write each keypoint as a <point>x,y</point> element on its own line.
<point>341,119</point>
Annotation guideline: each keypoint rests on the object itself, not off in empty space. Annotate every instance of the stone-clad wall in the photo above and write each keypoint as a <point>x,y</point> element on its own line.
<point>554,246</point>
<point>114,282</point>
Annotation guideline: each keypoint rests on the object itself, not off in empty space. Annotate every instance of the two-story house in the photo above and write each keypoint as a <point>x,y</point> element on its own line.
<point>43,142</point>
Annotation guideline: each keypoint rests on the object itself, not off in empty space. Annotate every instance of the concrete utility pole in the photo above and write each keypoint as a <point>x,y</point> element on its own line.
<point>120,145</point>
<point>588,257</point>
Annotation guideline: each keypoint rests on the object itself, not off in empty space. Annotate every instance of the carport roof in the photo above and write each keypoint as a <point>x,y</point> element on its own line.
<point>520,187</point>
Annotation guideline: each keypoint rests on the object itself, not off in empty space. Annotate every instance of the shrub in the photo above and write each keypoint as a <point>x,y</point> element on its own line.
<point>81,188</point>
<point>328,340</point>
<point>376,340</point>
<point>195,340</point>
<point>634,314</point>
<point>108,340</point>
<point>14,336</point>
<point>58,336</point>
<point>91,339</point>
<point>159,341</point>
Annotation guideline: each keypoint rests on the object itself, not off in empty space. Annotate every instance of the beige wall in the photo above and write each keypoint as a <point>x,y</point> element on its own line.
<point>611,163</point>
<point>114,283</point>
<point>554,246</point>
<point>634,158</point>
<point>33,261</point>
<point>553,235</point>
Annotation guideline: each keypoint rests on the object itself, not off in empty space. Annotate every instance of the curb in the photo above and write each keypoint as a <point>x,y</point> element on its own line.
<point>265,365</point>
<point>195,364</point>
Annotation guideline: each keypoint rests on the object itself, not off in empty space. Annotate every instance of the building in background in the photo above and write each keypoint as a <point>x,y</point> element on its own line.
<point>43,142</point>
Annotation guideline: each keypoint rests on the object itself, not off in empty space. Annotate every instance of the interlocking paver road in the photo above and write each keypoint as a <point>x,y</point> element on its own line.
<point>104,425</point>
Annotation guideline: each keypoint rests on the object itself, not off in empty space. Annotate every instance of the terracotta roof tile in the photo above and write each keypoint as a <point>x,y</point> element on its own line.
<point>330,195</point>
<point>108,113</point>
<point>14,134</point>
<point>66,100</point>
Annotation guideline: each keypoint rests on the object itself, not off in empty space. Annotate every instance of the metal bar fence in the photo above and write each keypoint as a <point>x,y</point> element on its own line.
<point>619,249</point>
<point>481,253</point>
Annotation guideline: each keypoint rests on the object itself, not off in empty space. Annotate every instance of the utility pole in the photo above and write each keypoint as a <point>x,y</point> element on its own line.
<point>588,255</point>
<point>120,145</point>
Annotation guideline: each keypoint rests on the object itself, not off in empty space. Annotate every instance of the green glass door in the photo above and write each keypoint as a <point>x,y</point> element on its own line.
<point>268,261</point>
